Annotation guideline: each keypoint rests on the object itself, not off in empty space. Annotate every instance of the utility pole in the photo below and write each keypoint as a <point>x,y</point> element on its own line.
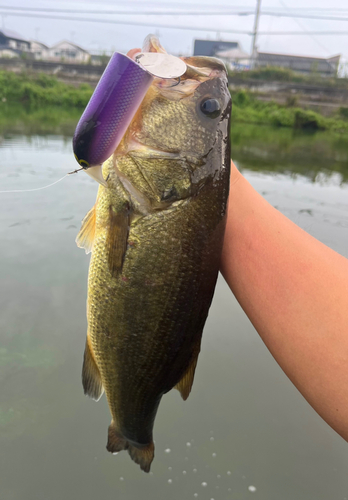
<point>256,25</point>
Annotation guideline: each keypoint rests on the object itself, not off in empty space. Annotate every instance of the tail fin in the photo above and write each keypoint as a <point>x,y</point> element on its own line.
<point>141,455</point>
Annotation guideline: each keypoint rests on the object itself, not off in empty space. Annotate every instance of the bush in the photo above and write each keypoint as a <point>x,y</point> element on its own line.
<point>282,118</point>
<point>42,90</point>
<point>309,120</point>
<point>241,98</point>
<point>343,111</point>
<point>46,81</point>
<point>85,87</point>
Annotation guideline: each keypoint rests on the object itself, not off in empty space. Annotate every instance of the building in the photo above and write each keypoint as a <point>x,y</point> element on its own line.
<point>40,50</point>
<point>210,48</point>
<point>12,44</point>
<point>235,59</point>
<point>306,65</point>
<point>68,52</point>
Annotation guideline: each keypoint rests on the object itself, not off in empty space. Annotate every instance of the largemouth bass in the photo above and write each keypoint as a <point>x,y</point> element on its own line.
<point>156,234</point>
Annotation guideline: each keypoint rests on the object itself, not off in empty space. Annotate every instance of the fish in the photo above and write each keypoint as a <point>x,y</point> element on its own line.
<point>155,235</point>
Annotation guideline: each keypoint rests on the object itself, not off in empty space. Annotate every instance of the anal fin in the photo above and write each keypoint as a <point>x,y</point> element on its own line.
<point>184,386</point>
<point>116,442</point>
<point>91,379</point>
<point>85,237</point>
<point>117,239</point>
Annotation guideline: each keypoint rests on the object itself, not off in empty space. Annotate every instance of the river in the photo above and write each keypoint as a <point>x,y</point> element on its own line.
<point>245,431</point>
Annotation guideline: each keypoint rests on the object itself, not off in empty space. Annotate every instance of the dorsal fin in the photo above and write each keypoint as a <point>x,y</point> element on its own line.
<point>185,384</point>
<point>116,241</point>
<point>85,237</point>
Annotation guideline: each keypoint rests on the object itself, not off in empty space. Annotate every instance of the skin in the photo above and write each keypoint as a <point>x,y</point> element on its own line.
<point>294,290</point>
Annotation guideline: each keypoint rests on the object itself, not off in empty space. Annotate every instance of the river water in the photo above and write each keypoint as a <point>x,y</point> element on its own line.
<point>245,431</point>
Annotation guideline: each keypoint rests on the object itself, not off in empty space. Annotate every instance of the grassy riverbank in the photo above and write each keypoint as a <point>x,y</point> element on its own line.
<point>39,90</point>
<point>44,99</point>
<point>247,109</point>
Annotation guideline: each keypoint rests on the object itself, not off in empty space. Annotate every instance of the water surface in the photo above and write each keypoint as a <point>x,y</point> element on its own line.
<point>245,431</point>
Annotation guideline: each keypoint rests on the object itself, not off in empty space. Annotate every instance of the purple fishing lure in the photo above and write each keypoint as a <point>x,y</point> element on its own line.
<point>110,110</point>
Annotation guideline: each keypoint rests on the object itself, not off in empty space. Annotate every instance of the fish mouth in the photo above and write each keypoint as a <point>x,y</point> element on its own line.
<point>96,172</point>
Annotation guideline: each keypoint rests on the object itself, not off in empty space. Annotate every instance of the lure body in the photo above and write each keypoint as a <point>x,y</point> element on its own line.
<point>110,110</point>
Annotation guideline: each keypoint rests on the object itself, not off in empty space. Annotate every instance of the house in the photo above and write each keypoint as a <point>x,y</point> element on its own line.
<point>40,50</point>
<point>68,52</point>
<point>210,48</point>
<point>301,64</point>
<point>236,59</point>
<point>12,44</point>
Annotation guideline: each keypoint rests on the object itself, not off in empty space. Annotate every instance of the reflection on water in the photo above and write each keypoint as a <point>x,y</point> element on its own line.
<point>311,154</point>
<point>244,432</point>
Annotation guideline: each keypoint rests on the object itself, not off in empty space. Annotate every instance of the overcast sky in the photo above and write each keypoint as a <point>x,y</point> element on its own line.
<point>121,37</point>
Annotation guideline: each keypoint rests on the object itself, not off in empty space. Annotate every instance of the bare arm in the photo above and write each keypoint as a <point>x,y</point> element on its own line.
<point>294,290</point>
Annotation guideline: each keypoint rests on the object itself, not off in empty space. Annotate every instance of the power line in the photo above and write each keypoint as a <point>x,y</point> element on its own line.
<point>200,6</point>
<point>288,13</point>
<point>305,16</point>
<point>300,24</point>
<point>172,26</point>
<point>133,12</point>
<point>126,22</point>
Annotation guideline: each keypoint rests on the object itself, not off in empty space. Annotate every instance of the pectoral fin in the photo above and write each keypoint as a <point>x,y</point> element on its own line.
<point>185,384</point>
<point>85,237</point>
<point>117,239</point>
<point>91,379</point>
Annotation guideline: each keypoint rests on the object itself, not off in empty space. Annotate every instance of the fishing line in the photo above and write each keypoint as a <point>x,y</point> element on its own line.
<point>36,189</point>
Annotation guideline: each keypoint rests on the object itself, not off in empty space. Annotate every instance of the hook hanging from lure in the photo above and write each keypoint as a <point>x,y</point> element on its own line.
<point>114,102</point>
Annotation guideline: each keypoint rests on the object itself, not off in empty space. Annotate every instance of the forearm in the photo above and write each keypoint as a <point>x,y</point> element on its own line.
<point>294,290</point>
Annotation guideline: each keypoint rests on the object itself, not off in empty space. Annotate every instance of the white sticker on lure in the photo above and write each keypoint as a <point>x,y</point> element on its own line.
<point>161,65</point>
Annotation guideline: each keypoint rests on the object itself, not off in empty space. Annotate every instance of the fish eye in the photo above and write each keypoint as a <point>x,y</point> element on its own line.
<point>211,108</point>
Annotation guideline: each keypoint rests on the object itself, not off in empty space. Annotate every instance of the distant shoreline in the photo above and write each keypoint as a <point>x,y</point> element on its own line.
<point>38,91</point>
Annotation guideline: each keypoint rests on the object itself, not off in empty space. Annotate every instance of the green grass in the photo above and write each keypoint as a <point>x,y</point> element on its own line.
<point>247,109</point>
<point>39,89</point>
